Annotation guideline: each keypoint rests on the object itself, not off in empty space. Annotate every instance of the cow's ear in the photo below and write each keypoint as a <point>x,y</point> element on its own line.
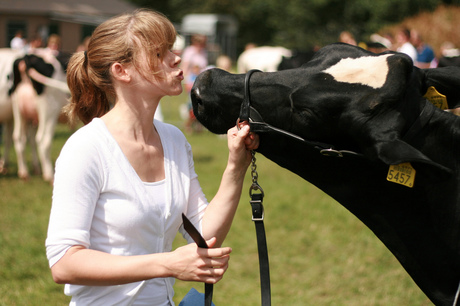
<point>397,152</point>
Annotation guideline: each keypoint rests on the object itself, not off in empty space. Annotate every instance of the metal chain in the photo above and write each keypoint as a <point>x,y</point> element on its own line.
<point>255,185</point>
<point>254,173</point>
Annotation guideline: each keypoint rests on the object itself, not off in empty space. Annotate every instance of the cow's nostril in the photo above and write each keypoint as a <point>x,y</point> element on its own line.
<point>195,96</point>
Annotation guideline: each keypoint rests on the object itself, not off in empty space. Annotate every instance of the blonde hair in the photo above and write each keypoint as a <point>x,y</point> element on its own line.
<point>122,39</point>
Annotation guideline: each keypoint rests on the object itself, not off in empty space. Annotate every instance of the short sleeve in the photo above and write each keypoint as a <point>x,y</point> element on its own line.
<point>77,185</point>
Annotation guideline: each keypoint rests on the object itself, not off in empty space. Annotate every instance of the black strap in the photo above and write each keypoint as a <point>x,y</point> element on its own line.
<point>208,289</point>
<point>199,240</point>
<point>245,105</point>
<point>258,125</point>
<point>264,269</point>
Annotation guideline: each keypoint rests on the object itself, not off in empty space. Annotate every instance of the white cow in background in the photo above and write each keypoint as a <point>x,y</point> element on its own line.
<point>28,107</point>
<point>264,58</point>
<point>7,58</point>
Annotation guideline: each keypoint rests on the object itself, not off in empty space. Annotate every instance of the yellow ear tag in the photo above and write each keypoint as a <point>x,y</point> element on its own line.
<point>436,98</point>
<point>403,174</point>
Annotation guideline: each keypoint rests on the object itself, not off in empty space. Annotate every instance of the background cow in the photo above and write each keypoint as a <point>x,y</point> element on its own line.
<point>297,59</point>
<point>7,58</point>
<point>270,59</point>
<point>35,95</point>
<point>264,58</point>
<point>371,110</point>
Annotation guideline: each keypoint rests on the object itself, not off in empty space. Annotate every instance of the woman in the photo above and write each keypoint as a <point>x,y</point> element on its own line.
<point>122,182</point>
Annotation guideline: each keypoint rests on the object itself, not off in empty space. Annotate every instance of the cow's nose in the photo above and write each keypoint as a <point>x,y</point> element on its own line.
<point>195,96</point>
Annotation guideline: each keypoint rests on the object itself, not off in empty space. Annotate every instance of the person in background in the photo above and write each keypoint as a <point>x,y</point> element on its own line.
<point>404,45</point>
<point>34,44</point>
<point>18,42</point>
<point>195,54</point>
<point>83,46</point>
<point>385,40</point>
<point>425,54</point>
<point>250,45</point>
<point>53,45</point>
<point>348,38</point>
<point>450,55</point>
<point>123,180</point>
<point>224,62</point>
<point>191,123</point>
<point>194,60</point>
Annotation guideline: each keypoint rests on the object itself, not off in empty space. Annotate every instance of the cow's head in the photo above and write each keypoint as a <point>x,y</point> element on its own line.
<point>345,96</point>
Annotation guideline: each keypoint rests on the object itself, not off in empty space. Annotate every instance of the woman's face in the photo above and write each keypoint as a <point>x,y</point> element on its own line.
<point>166,80</point>
<point>170,76</point>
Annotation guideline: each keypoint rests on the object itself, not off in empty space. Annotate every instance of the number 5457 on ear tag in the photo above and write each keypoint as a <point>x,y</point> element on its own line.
<point>403,174</point>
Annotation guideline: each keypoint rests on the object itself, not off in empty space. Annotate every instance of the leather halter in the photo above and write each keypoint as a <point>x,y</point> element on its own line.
<point>257,124</point>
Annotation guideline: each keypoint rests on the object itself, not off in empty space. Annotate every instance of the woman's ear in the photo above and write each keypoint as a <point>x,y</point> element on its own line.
<point>119,72</point>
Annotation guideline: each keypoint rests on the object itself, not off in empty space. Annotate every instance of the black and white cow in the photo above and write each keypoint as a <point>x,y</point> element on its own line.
<point>33,91</point>
<point>7,58</point>
<point>372,108</point>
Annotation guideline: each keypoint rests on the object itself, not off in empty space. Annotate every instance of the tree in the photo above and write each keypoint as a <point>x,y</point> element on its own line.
<point>299,24</point>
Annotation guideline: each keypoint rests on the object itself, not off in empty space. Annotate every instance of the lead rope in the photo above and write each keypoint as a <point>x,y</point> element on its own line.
<point>456,296</point>
<point>257,194</point>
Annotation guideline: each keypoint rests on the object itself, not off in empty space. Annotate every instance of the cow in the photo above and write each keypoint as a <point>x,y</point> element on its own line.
<point>36,96</point>
<point>265,58</point>
<point>358,126</point>
<point>297,59</point>
<point>7,58</point>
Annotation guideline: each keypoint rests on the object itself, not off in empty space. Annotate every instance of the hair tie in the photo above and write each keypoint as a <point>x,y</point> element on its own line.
<point>86,56</point>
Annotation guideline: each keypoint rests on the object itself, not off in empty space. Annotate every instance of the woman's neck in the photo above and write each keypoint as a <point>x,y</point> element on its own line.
<point>129,122</point>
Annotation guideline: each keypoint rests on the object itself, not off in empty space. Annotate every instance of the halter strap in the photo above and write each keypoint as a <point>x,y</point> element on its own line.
<point>246,104</point>
<point>257,124</point>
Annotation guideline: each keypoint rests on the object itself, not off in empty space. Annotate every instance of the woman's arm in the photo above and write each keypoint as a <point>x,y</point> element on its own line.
<point>219,214</point>
<point>82,266</point>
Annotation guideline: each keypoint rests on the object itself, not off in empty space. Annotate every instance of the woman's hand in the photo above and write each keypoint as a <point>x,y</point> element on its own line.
<point>240,143</point>
<point>191,263</point>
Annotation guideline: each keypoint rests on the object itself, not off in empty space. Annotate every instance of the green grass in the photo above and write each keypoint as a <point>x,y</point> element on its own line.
<point>320,254</point>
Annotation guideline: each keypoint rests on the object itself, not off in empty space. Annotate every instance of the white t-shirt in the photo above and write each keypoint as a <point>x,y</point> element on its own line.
<point>100,202</point>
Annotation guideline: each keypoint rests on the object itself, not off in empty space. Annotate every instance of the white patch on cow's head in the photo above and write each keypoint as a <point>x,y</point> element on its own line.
<point>367,70</point>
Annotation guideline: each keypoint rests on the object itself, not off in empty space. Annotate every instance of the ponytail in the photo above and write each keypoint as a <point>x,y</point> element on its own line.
<point>87,100</point>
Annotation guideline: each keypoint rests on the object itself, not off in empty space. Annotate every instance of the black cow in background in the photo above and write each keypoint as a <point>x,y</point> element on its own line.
<point>372,111</point>
<point>297,59</point>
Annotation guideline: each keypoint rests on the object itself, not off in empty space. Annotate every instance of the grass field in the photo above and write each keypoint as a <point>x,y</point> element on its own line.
<point>320,254</point>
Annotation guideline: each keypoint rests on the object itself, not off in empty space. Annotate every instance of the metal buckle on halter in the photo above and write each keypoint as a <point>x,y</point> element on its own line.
<point>256,203</point>
<point>261,218</point>
<point>331,153</point>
